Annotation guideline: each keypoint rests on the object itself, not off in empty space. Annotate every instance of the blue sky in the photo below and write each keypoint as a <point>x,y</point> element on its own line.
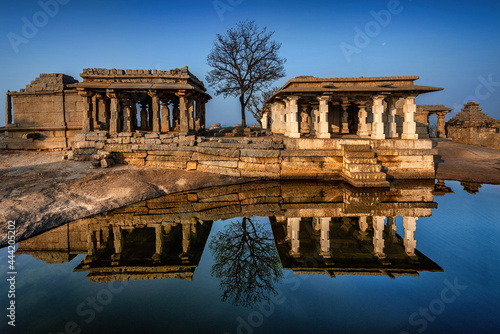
<point>449,44</point>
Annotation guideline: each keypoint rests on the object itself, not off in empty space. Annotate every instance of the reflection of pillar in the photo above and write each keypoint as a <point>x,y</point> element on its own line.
<point>345,116</point>
<point>410,225</point>
<point>165,117</point>
<point>113,111</point>
<point>155,103</point>
<point>324,131</point>
<point>391,229</point>
<point>378,110</point>
<point>8,109</point>
<point>91,243</point>
<point>117,243</point>
<point>362,126</point>
<point>325,237</point>
<point>292,119</point>
<point>409,125</point>
<point>186,238</point>
<point>159,243</point>
<point>363,225</point>
<point>293,232</point>
<point>378,236</point>
<point>441,131</point>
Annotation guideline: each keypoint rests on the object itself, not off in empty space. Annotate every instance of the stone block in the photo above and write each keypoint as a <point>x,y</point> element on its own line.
<point>105,163</point>
<point>168,164</point>
<point>218,170</point>
<point>225,164</point>
<point>260,153</point>
<point>192,165</point>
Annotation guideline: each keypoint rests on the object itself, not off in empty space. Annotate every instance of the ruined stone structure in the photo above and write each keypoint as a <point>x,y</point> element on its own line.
<point>320,227</point>
<point>473,127</point>
<point>54,107</point>
<point>361,130</point>
<point>44,115</point>
<point>422,119</point>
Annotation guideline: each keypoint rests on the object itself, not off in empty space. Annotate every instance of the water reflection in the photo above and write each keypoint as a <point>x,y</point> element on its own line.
<point>246,262</point>
<point>317,227</point>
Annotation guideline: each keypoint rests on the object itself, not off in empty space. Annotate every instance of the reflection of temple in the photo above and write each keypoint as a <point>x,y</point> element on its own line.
<point>341,228</point>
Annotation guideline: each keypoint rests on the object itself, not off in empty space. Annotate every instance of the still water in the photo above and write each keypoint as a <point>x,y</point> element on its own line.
<point>270,257</point>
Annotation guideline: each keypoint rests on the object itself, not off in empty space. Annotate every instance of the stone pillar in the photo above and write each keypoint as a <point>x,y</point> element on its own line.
<point>190,106</point>
<point>197,119</point>
<point>292,119</point>
<point>409,125</point>
<point>203,116</point>
<point>391,126</point>
<point>378,236</point>
<point>114,108</point>
<point>176,116</point>
<point>87,121</point>
<point>133,114</point>
<point>165,117</point>
<point>95,112</point>
<point>183,112</point>
<point>378,110</point>
<point>410,225</point>
<point>362,126</point>
<point>265,120</point>
<point>155,111</point>
<point>323,131</point>
<point>8,109</point>
<point>441,130</point>
<point>275,116</point>
<point>305,120</point>
<point>345,115</point>
<point>127,117</point>
<point>293,227</point>
<point>314,120</point>
<point>144,115</point>
<point>325,237</point>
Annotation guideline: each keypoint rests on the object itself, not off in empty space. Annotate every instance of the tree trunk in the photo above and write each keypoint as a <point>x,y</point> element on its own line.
<point>243,119</point>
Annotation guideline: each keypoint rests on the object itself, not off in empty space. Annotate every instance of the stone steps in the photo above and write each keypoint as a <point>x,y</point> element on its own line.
<point>361,167</point>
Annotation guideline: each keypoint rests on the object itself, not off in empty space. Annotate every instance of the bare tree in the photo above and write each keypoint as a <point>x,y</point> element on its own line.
<point>257,104</point>
<point>244,60</point>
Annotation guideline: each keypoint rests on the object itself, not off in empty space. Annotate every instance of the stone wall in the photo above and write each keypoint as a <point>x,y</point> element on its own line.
<point>473,127</point>
<point>369,162</point>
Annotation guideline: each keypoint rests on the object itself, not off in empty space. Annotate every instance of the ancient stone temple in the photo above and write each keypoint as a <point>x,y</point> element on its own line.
<point>55,107</point>
<point>473,127</point>
<point>330,108</point>
<point>422,119</point>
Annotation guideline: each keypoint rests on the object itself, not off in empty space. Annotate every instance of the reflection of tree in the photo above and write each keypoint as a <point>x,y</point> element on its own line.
<point>246,262</point>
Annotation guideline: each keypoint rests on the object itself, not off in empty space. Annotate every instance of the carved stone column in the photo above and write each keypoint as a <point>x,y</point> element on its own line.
<point>305,120</point>
<point>345,115</point>
<point>441,125</point>
<point>133,114</point>
<point>292,119</point>
<point>165,117</point>
<point>409,125</point>
<point>378,110</point>
<point>362,114</point>
<point>127,116</point>
<point>95,112</point>
<point>87,121</point>
<point>8,109</point>
<point>323,131</point>
<point>190,106</point>
<point>314,120</point>
<point>265,120</point>
<point>183,112</point>
<point>390,125</point>
<point>114,108</point>
<point>155,111</point>
<point>293,225</point>
<point>144,115</point>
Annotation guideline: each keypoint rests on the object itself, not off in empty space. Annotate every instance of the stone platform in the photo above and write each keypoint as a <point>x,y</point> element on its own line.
<point>360,162</point>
